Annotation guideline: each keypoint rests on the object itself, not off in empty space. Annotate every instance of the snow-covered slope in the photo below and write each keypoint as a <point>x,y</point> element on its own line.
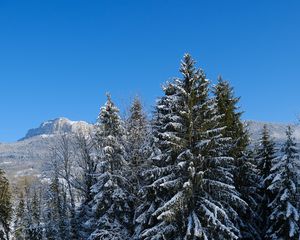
<point>29,155</point>
<point>25,157</point>
<point>277,130</point>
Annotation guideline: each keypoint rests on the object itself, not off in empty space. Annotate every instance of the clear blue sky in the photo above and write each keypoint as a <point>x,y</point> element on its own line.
<point>59,57</point>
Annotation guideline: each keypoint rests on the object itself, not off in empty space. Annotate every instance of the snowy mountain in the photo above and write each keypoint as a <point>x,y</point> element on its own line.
<point>58,126</point>
<point>28,155</point>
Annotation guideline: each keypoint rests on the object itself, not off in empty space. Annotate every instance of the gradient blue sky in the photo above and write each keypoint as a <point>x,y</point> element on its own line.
<point>59,57</point>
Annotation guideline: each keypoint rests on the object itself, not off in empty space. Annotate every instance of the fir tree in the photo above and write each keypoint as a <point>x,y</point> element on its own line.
<point>112,203</point>
<point>265,157</point>
<point>32,216</point>
<point>87,165</point>
<point>227,105</point>
<point>137,147</point>
<point>137,131</point>
<point>55,211</point>
<point>192,194</point>
<point>159,161</point>
<point>245,170</point>
<point>247,177</point>
<point>266,153</point>
<point>19,218</point>
<point>284,215</point>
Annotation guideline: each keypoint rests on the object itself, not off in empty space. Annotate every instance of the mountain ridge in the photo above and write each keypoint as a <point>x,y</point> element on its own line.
<point>57,126</point>
<point>63,125</point>
<point>29,155</point>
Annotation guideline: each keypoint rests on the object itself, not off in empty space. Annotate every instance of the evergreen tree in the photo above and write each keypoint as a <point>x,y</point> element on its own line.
<point>87,165</point>
<point>137,130</point>
<point>245,170</point>
<point>32,219</point>
<point>55,211</point>
<point>231,118</point>
<point>247,177</point>
<point>19,218</point>
<point>112,203</point>
<point>192,194</point>
<point>150,198</point>
<point>265,154</point>
<point>137,147</point>
<point>5,206</point>
<point>284,215</point>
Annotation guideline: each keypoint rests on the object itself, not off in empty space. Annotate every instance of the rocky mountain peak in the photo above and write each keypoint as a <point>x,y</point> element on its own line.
<point>58,126</point>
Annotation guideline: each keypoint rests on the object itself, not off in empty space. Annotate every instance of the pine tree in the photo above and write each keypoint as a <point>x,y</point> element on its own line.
<point>32,216</point>
<point>5,206</point>
<point>85,146</point>
<point>159,161</point>
<point>137,130</point>
<point>112,203</point>
<point>19,217</point>
<point>265,157</point>
<point>247,177</point>
<point>284,215</point>
<point>50,214</point>
<point>265,153</point>
<point>55,211</point>
<point>245,170</point>
<point>137,147</point>
<point>231,117</point>
<point>192,194</point>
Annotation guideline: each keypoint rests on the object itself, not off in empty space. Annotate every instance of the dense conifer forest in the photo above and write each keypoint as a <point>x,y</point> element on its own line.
<point>190,172</point>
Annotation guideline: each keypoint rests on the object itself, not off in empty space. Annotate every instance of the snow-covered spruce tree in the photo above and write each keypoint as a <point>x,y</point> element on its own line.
<point>247,176</point>
<point>19,218</point>
<point>55,213</point>
<point>227,105</point>
<point>137,130</point>
<point>160,162</point>
<point>137,147</point>
<point>284,215</point>
<point>112,203</point>
<point>192,194</point>
<point>5,206</point>
<point>32,217</point>
<point>265,157</point>
<point>245,171</point>
<point>266,153</point>
<point>51,212</point>
<point>85,146</point>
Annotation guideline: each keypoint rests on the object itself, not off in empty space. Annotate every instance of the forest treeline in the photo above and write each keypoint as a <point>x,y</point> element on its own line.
<point>190,172</point>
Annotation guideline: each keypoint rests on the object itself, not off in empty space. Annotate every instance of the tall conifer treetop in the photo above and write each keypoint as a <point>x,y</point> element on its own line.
<point>266,153</point>
<point>244,168</point>
<point>284,212</point>
<point>192,182</point>
<point>111,205</point>
<point>265,157</point>
<point>231,117</point>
